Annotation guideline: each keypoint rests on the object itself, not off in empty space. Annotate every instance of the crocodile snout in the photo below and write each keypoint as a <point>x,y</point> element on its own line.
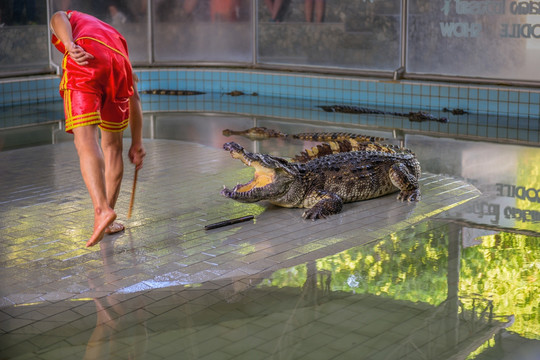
<point>232,146</point>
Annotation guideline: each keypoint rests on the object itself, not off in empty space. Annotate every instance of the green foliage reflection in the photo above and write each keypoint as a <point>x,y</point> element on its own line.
<point>410,265</point>
<point>413,265</point>
<point>506,269</point>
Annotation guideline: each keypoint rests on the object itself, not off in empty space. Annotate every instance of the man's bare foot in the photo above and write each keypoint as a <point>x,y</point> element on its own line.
<point>114,228</point>
<point>101,222</point>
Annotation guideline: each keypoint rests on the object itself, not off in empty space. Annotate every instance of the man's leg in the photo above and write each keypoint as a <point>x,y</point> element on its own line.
<point>93,172</point>
<point>308,10</point>
<point>111,143</point>
<point>319,10</point>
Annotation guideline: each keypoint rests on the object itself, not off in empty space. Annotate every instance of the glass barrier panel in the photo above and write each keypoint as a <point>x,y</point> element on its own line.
<point>130,18</point>
<point>489,38</point>
<point>203,31</point>
<point>23,37</point>
<point>338,33</point>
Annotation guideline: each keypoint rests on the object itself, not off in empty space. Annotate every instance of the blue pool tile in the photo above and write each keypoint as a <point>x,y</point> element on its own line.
<point>482,106</point>
<point>503,108</point>
<point>513,96</point>
<point>444,91</point>
<point>463,103</point>
<point>493,106</point>
<point>534,109</point>
<point>363,85</point>
<point>407,89</point>
<point>523,97</point>
<point>452,103</point>
<point>482,94</point>
<point>512,108</point>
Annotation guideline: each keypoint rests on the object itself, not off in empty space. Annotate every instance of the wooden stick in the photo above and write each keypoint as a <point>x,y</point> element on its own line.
<point>133,193</point>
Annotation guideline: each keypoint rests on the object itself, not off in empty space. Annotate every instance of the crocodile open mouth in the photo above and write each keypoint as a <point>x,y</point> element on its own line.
<point>260,180</point>
<point>272,175</point>
<point>262,177</point>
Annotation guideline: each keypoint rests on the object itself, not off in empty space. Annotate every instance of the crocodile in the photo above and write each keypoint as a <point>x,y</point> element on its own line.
<point>239,93</point>
<point>322,183</point>
<point>416,116</point>
<point>172,92</point>
<point>457,111</point>
<point>332,142</point>
<point>256,133</point>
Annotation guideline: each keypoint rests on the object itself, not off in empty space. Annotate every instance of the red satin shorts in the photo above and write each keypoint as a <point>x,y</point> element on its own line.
<point>97,93</point>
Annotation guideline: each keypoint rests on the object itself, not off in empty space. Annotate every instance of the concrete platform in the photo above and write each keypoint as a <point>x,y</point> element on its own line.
<point>47,217</point>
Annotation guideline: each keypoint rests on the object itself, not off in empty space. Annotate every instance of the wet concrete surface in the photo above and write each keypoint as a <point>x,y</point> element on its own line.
<point>167,288</point>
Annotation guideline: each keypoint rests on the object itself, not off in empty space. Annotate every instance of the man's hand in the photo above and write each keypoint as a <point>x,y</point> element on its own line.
<point>78,54</point>
<point>136,155</point>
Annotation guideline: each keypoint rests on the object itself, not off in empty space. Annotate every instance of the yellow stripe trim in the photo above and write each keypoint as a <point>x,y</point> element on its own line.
<point>92,114</point>
<point>102,43</point>
<point>109,123</point>
<point>114,126</point>
<point>83,120</point>
<point>64,77</point>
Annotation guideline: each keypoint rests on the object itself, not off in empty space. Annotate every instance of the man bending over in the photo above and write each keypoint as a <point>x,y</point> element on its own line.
<point>99,91</point>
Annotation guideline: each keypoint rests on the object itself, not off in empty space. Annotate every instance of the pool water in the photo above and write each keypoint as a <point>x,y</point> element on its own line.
<point>455,276</point>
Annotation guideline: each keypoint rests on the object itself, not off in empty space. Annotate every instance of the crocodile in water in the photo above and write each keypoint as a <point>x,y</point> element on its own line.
<point>457,111</point>
<point>172,92</point>
<point>239,93</point>
<point>416,116</point>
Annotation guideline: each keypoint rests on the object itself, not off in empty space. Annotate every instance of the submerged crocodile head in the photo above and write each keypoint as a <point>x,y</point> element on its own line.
<point>271,181</point>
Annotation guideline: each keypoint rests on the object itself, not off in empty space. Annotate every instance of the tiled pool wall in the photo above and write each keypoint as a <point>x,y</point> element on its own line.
<point>496,106</point>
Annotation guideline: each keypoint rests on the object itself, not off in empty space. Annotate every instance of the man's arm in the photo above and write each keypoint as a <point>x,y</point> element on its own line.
<point>61,27</point>
<point>136,151</point>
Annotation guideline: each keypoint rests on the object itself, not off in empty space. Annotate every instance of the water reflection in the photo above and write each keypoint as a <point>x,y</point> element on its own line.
<point>425,292</point>
<point>476,289</point>
<point>120,323</point>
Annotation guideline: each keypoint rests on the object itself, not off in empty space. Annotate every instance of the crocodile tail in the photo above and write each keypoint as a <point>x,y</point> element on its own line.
<point>323,136</point>
<point>332,147</point>
<point>350,109</point>
<point>346,145</point>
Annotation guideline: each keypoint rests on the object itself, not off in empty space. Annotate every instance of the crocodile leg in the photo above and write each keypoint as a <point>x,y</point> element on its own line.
<point>326,203</point>
<point>405,181</point>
